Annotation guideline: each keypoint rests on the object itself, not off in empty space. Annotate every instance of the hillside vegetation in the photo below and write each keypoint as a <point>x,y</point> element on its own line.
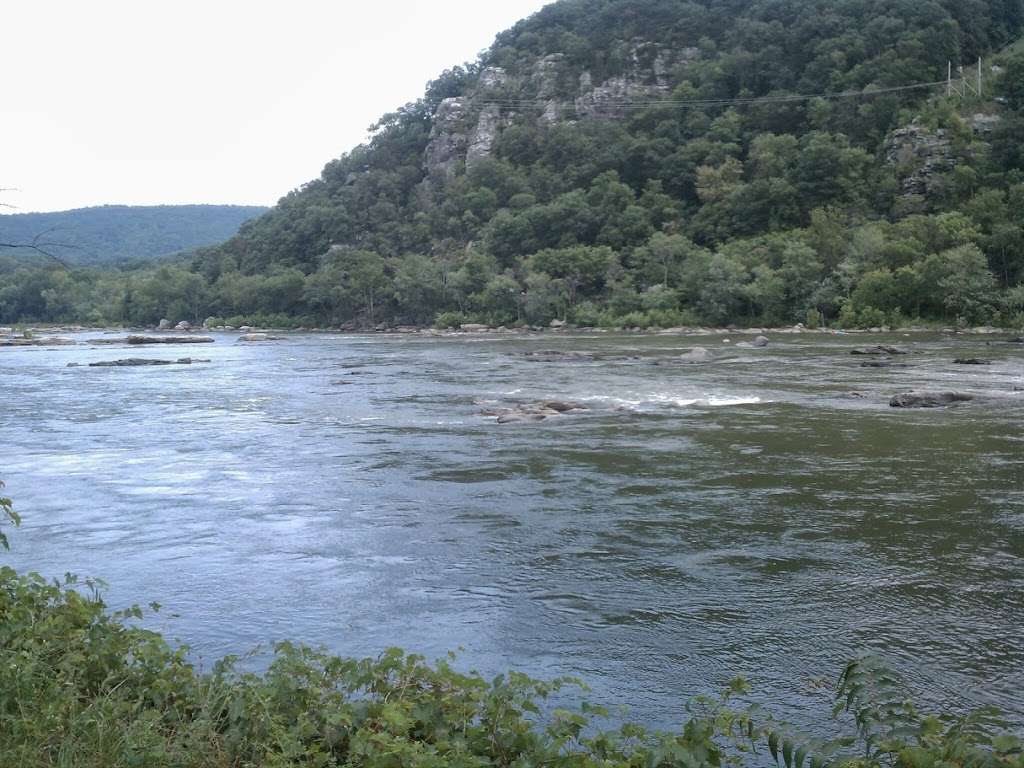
<point>110,234</point>
<point>647,162</point>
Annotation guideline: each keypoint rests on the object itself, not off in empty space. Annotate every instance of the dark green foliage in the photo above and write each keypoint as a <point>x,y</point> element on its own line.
<point>82,686</point>
<point>7,515</point>
<point>712,212</point>
<point>116,233</point>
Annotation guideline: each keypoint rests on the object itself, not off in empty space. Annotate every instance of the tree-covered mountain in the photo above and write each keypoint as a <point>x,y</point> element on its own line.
<point>655,162</point>
<point>114,233</point>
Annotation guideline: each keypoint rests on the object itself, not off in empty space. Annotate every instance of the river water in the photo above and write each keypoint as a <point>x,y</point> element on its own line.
<point>751,515</point>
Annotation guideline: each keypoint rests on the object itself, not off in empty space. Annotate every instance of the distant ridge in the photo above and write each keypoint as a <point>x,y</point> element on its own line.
<point>108,234</point>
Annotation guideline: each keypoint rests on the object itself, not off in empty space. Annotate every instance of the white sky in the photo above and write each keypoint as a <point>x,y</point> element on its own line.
<point>211,101</point>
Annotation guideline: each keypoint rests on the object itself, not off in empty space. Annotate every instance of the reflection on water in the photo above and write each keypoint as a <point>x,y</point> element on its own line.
<point>764,514</point>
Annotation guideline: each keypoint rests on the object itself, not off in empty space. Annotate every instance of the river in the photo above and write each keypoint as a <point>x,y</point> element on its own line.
<point>766,514</point>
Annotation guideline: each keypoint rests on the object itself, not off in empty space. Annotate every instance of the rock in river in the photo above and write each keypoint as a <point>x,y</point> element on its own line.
<point>972,361</point>
<point>134,361</point>
<point>260,337</point>
<point>166,340</point>
<point>923,399</point>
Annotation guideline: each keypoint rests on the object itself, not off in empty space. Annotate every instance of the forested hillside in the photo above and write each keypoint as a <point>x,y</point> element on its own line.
<point>651,162</point>
<point>113,233</point>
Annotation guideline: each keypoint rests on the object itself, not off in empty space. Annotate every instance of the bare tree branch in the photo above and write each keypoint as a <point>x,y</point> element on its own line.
<point>38,244</point>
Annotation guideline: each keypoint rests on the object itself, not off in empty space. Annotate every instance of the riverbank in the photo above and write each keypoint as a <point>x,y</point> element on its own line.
<point>42,335</point>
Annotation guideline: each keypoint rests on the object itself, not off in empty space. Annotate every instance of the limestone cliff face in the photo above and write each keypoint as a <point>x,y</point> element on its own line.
<point>448,139</point>
<point>466,127</point>
<point>924,154</point>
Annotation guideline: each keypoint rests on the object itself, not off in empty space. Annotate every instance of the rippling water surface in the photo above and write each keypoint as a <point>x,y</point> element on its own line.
<point>747,516</point>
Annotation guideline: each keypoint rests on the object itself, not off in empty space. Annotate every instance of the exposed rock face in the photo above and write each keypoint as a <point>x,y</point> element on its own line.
<point>546,73</point>
<point>448,139</point>
<point>928,399</point>
<point>466,127</point>
<point>928,153</point>
<point>646,78</point>
<point>491,78</point>
<point>164,325</point>
<point>982,125</point>
<point>481,138</point>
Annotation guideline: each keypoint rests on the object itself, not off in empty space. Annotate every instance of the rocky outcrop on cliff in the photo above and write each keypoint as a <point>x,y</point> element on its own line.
<point>923,153</point>
<point>465,128</point>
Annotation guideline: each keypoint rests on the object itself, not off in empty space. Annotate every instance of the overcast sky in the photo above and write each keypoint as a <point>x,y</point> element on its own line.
<point>211,101</point>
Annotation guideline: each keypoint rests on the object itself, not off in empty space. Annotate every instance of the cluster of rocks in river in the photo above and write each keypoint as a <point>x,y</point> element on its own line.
<point>527,412</point>
<point>32,341</point>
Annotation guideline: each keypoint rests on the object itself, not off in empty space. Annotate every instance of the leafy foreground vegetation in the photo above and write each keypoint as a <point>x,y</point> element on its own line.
<point>82,686</point>
<point>516,192</point>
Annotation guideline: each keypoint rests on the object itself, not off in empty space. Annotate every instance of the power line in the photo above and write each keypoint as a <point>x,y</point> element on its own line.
<point>510,103</point>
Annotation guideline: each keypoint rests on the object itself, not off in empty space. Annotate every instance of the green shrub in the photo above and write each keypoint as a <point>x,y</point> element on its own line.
<point>82,686</point>
<point>451,320</point>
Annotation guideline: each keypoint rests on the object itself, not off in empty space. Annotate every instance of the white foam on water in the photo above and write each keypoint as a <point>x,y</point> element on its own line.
<point>720,401</point>
<point>676,401</point>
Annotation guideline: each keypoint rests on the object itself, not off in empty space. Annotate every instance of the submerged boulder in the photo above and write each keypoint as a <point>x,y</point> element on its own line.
<point>561,406</point>
<point>697,355</point>
<point>557,356</point>
<point>972,361</point>
<point>166,340</point>
<point>882,364</point>
<point>519,417</point>
<point>925,399</point>
<point>878,349</point>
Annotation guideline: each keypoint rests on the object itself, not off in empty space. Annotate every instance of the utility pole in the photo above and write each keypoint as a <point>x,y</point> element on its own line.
<point>963,82</point>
